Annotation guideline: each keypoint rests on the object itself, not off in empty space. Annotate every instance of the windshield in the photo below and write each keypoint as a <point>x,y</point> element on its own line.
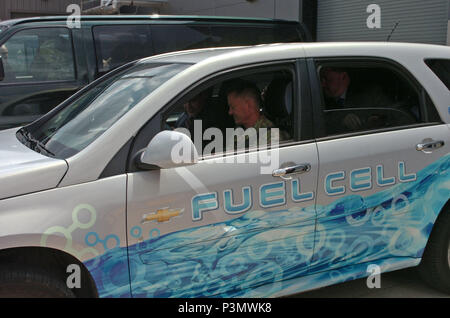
<point>81,122</point>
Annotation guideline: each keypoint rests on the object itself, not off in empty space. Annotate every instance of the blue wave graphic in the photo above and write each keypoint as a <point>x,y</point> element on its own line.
<point>260,254</point>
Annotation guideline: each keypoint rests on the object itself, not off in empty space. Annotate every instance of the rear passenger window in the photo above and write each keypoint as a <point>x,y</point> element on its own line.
<point>36,55</point>
<point>169,38</point>
<point>120,44</point>
<point>368,96</point>
<point>442,69</point>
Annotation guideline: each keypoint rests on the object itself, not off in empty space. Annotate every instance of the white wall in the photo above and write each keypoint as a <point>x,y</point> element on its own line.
<point>278,9</point>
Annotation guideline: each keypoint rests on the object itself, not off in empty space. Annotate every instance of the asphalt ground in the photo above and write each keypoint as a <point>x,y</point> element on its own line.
<point>403,283</point>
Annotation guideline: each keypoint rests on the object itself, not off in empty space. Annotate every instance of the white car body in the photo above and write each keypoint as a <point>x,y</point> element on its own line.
<point>367,198</point>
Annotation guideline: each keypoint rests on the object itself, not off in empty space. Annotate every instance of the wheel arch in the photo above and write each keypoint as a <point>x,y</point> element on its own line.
<point>50,260</point>
<point>444,210</point>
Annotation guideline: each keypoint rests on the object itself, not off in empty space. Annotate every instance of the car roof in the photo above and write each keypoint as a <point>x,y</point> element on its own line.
<point>153,17</point>
<point>191,56</point>
<point>280,51</point>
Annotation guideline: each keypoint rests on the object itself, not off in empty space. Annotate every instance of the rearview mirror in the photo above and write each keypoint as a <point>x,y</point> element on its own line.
<point>2,70</point>
<point>168,149</point>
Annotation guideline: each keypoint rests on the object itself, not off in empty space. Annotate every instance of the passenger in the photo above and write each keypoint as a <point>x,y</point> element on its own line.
<point>341,93</point>
<point>244,100</point>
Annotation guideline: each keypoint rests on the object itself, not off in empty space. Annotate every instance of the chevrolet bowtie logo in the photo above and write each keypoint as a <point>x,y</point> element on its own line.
<point>162,215</point>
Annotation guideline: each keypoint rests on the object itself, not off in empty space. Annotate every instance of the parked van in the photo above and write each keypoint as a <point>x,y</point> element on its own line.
<point>44,60</point>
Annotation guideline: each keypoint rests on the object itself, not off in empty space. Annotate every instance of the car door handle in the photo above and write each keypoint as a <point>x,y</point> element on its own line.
<point>430,146</point>
<point>298,169</point>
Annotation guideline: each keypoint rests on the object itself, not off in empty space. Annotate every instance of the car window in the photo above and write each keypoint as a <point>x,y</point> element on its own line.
<point>29,108</point>
<point>220,117</point>
<point>168,38</point>
<point>287,34</point>
<point>36,55</point>
<point>252,35</point>
<point>442,69</point>
<point>75,126</point>
<point>185,37</point>
<point>360,98</point>
<point>119,44</point>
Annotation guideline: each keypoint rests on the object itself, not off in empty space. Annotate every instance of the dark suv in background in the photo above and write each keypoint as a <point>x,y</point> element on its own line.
<point>44,61</point>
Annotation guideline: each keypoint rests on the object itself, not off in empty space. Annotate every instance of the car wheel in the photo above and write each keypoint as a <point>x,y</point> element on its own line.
<point>435,265</point>
<point>24,283</point>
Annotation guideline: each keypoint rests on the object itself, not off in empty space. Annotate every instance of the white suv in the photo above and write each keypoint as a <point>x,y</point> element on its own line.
<point>140,182</point>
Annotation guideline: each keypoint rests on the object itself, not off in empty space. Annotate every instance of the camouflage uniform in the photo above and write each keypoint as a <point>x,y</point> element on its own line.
<point>262,137</point>
<point>263,122</point>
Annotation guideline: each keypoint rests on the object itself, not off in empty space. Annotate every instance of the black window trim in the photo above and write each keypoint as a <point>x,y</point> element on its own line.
<point>387,63</point>
<point>75,62</point>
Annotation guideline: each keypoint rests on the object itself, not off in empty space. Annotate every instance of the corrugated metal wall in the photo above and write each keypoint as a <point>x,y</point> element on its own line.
<point>11,8</point>
<point>419,20</point>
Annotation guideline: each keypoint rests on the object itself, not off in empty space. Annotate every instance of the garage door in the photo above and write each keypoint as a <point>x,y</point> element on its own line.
<point>418,21</point>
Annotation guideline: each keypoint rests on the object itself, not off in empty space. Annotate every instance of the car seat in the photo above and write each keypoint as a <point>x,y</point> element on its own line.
<point>278,103</point>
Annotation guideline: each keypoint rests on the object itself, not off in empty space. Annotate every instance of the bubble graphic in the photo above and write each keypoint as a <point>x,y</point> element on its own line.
<point>154,234</point>
<point>67,232</point>
<point>360,221</point>
<point>136,231</point>
<point>109,238</point>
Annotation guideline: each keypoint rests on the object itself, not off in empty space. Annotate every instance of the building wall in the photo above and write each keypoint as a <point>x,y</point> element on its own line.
<point>275,9</point>
<point>448,33</point>
<point>419,21</point>
<point>23,8</point>
<point>448,27</point>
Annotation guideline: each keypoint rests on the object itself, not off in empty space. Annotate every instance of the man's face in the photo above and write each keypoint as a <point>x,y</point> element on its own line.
<point>334,83</point>
<point>239,107</point>
<point>195,105</point>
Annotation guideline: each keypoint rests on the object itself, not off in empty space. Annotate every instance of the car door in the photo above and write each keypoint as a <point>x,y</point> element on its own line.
<point>225,225</point>
<point>380,183</point>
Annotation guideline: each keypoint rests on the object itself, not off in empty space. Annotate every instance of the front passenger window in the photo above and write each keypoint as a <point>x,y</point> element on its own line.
<point>217,116</point>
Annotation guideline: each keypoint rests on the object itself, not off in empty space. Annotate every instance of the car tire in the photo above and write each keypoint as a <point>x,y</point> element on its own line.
<point>27,283</point>
<point>435,265</point>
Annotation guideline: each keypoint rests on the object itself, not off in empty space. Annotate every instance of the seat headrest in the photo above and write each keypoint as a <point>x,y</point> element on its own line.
<point>278,98</point>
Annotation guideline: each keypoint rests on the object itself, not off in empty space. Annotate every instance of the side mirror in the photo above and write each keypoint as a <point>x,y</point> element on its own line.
<point>2,70</point>
<point>168,149</point>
